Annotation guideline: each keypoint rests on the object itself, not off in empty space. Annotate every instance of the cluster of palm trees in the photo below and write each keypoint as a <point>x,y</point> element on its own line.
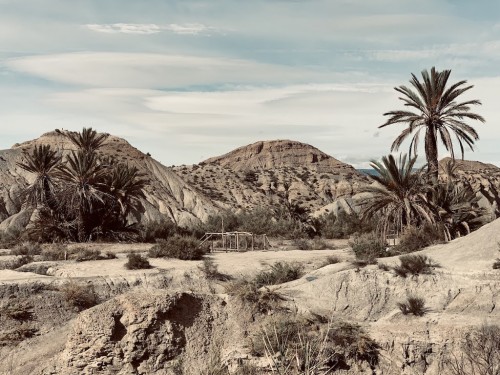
<point>81,196</point>
<point>404,196</point>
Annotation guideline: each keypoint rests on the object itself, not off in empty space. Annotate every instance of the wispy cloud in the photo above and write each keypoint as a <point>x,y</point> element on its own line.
<point>151,28</point>
<point>146,70</point>
<point>125,28</point>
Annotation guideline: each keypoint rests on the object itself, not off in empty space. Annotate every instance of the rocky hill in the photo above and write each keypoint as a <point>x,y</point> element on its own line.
<point>268,173</point>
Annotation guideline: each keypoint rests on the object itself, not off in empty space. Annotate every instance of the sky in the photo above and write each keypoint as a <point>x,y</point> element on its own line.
<point>188,80</point>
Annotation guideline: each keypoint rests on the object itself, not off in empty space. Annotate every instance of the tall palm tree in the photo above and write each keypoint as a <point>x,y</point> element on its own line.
<point>42,162</point>
<point>434,109</point>
<point>399,197</point>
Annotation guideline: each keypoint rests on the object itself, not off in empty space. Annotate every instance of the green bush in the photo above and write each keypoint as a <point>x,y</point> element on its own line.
<point>413,305</point>
<point>414,265</point>
<point>137,262</point>
<point>179,247</point>
<point>368,246</point>
<point>279,273</point>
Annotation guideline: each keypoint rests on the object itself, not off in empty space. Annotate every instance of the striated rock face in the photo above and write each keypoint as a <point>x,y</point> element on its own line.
<point>277,154</point>
<point>144,333</point>
<point>483,178</point>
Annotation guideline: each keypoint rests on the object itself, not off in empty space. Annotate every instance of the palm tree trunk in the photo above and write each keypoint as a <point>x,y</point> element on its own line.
<point>81,227</point>
<point>431,152</point>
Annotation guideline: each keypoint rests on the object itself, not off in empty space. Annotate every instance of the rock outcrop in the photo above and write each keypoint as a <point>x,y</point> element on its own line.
<point>279,154</point>
<point>144,333</point>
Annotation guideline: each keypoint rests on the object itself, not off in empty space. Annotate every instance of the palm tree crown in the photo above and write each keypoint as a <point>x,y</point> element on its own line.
<point>42,162</point>
<point>399,197</point>
<point>435,110</point>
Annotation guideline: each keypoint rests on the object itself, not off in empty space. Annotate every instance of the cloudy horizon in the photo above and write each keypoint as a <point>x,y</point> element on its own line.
<point>188,80</point>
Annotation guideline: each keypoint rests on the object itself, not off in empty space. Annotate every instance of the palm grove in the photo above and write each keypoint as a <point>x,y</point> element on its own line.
<point>404,197</point>
<point>81,196</point>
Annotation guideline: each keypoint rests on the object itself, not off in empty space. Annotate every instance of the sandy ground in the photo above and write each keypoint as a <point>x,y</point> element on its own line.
<point>233,264</point>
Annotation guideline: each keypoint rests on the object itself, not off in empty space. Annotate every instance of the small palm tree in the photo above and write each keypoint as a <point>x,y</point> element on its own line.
<point>42,162</point>
<point>399,195</point>
<point>434,110</point>
<point>125,184</point>
<point>455,206</point>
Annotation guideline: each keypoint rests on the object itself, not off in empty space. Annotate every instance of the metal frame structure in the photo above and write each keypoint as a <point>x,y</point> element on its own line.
<point>233,241</point>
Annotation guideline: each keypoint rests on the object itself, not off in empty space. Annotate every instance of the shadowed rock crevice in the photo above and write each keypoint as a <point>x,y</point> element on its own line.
<point>119,330</point>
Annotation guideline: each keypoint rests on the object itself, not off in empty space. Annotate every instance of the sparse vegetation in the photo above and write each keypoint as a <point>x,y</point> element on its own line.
<point>27,248</point>
<point>80,296</point>
<point>414,265</point>
<point>413,305</point>
<point>279,273</point>
<point>332,259</point>
<point>479,352</point>
<point>296,346</point>
<point>211,270</point>
<point>262,300</point>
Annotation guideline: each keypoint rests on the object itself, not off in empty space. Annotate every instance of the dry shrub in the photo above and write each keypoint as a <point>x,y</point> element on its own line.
<point>137,262</point>
<point>332,259</point>
<point>302,244</point>
<point>179,247</point>
<point>417,238</point>
<point>413,305</point>
<point>414,265</point>
<point>211,270</point>
<point>80,296</point>
<point>27,248</point>
<point>82,254</point>
<point>279,273</point>
<point>262,300</point>
<point>496,264</point>
<point>368,246</point>
<point>479,352</point>
<point>298,346</point>
<point>56,251</point>
<point>16,263</point>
